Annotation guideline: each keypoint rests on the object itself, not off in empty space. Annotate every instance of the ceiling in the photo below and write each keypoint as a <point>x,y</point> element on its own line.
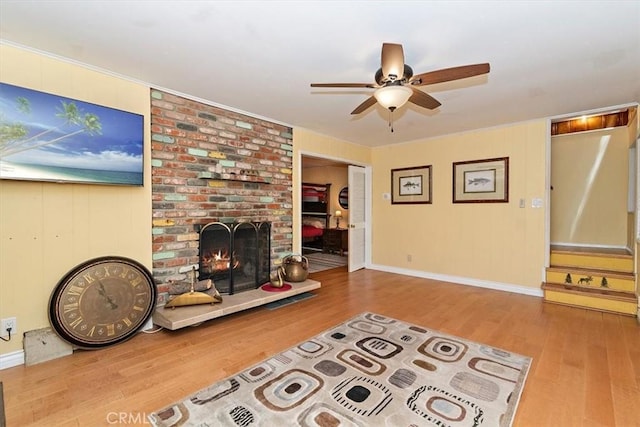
<point>259,57</point>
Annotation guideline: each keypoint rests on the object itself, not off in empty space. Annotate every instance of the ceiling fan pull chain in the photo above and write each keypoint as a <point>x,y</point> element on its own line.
<point>391,120</point>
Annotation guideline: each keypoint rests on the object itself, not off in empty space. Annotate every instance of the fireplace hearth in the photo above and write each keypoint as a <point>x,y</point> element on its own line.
<point>235,256</point>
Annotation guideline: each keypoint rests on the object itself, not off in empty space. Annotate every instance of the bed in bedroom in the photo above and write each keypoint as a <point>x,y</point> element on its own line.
<point>315,214</point>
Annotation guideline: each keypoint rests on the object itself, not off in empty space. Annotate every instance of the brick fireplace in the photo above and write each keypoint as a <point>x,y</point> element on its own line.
<point>213,165</point>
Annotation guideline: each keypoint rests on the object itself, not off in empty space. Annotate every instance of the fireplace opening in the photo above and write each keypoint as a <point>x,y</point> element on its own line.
<point>235,256</point>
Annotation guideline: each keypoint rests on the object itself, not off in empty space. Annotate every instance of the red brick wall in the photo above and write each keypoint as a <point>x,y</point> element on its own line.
<point>249,161</point>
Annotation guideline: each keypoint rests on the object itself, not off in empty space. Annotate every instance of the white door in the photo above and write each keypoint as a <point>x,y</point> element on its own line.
<point>357,217</point>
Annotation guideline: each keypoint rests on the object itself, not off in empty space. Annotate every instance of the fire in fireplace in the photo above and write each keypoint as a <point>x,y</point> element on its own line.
<point>236,256</point>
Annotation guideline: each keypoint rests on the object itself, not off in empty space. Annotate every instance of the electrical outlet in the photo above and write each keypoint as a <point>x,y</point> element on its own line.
<point>8,323</point>
<point>409,258</point>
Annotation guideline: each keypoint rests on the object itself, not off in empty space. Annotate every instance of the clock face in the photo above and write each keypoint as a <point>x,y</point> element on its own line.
<point>102,302</point>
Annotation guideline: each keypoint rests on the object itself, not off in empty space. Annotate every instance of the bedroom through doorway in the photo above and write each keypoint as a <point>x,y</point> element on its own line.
<point>324,212</point>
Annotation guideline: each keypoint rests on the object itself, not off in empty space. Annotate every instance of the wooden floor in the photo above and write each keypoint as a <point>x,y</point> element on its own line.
<point>585,372</point>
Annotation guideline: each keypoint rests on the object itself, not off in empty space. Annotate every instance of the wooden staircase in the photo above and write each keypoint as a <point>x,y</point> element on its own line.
<point>601,280</point>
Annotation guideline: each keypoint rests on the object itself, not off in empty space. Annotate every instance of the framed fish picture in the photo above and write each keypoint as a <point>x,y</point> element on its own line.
<point>481,181</point>
<point>411,185</point>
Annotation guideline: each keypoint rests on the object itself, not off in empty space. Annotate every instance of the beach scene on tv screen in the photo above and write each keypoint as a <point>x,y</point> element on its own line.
<point>44,137</point>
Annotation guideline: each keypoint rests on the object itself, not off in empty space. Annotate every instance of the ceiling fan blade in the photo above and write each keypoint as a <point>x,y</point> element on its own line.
<point>423,100</point>
<point>449,74</point>
<point>369,85</point>
<point>366,104</point>
<point>392,61</point>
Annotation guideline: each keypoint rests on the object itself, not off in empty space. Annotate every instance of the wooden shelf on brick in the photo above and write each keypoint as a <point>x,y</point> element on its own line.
<point>233,177</point>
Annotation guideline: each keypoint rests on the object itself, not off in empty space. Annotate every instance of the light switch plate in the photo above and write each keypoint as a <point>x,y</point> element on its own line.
<point>536,202</point>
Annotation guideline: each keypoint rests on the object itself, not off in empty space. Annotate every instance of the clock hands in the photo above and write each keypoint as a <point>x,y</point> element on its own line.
<point>102,292</point>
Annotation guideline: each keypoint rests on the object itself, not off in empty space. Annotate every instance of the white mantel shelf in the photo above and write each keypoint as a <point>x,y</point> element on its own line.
<point>180,317</point>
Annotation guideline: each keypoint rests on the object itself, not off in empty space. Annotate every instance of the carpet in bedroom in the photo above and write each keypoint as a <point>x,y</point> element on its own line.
<point>320,261</point>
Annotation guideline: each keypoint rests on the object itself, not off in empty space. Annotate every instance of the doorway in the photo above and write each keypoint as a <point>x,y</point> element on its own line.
<point>592,211</point>
<point>342,234</point>
<point>592,180</point>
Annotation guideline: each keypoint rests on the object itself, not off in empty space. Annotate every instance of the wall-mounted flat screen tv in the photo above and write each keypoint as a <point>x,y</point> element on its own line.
<point>45,137</point>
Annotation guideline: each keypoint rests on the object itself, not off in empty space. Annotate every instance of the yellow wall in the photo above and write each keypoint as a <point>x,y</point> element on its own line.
<point>632,136</point>
<point>634,241</point>
<point>589,175</point>
<point>47,228</point>
<point>338,177</point>
<point>495,242</point>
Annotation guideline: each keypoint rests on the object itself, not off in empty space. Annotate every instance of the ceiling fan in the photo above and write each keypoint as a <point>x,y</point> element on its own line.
<point>395,82</point>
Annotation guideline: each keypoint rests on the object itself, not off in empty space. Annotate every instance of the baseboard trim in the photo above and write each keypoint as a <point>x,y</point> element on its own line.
<point>497,286</point>
<point>9,360</point>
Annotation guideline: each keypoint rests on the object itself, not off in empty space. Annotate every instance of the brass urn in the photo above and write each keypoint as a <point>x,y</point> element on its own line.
<point>296,268</point>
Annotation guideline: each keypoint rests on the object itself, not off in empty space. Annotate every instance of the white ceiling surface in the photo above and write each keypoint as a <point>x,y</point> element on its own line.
<point>548,58</point>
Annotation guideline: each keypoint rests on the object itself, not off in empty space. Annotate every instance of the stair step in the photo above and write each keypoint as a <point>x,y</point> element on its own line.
<point>618,263</point>
<point>592,260</point>
<point>596,299</point>
<point>618,281</point>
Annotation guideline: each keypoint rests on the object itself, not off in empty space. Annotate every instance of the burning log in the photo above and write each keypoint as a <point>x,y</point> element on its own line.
<point>221,261</point>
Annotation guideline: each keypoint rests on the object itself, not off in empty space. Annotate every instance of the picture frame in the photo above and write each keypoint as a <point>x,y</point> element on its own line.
<point>411,185</point>
<point>63,140</point>
<point>481,181</point>
<point>343,198</point>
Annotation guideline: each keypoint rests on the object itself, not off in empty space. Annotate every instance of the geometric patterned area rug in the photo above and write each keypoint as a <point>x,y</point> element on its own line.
<point>371,370</point>
<point>3,420</point>
<point>320,261</point>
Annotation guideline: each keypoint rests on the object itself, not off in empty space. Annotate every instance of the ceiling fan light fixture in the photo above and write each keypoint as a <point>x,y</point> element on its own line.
<point>393,96</point>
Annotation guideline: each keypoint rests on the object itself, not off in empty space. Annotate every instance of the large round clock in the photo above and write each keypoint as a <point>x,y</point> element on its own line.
<point>102,301</point>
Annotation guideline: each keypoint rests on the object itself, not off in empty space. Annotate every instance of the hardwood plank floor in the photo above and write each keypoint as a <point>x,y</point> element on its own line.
<point>585,372</point>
